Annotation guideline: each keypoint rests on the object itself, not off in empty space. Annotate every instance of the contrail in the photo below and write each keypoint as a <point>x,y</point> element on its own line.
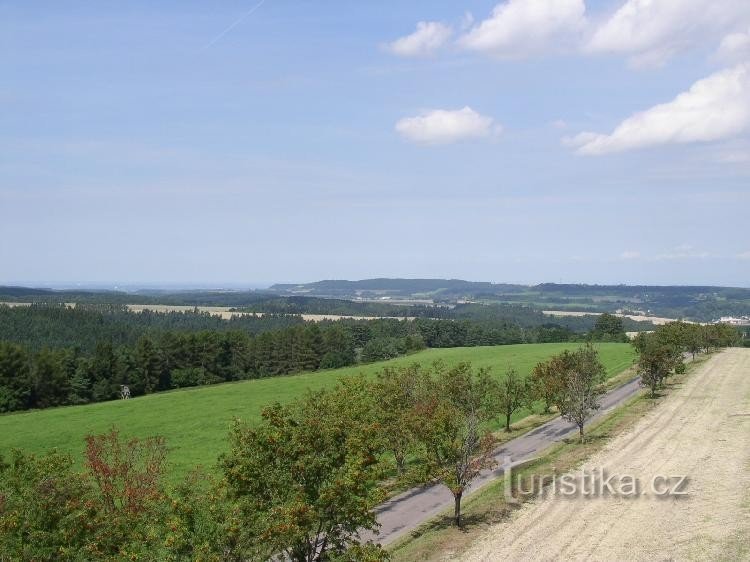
<point>233,25</point>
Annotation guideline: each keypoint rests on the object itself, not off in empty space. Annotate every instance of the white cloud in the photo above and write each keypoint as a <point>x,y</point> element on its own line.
<point>428,38</point>
<point>744,255</point>
<point>520,28</point>
<point>685,251</point>
<point>714,108</point>
<point>651,31</point>
<point>630,255</point>
<point>441,126</point>
<point>735,46</point>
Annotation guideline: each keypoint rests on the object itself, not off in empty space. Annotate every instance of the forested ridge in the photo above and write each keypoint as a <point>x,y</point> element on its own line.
<point>700,303</point>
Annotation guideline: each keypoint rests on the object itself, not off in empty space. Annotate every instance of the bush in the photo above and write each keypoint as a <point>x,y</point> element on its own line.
<point>680,368</point>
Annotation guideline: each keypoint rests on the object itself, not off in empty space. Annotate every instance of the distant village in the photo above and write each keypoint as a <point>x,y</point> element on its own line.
<point>734,320</point>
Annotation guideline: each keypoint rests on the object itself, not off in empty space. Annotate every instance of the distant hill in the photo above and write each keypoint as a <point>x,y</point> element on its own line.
<point>701,303</point>
<point>396,287</point>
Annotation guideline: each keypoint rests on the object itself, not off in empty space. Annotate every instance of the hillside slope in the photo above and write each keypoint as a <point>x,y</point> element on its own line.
<point>195,422</point>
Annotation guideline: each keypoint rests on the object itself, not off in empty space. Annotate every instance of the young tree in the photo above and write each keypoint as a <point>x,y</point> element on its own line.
<point>656,361</point>
<point>546,381</point>
<point>512,395</point>
<point>582,376</point>
<point>454,446</point>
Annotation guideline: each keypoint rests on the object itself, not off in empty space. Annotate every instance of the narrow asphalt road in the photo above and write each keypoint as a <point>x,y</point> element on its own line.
<point>407,511</point>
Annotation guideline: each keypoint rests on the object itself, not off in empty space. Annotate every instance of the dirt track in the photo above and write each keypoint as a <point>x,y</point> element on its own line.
<point>701,430</point>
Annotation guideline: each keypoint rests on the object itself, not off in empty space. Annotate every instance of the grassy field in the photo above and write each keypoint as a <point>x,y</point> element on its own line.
<point>195,421</point>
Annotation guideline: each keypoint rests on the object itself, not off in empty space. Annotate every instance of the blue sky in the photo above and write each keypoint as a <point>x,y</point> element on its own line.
<point>521,141</point>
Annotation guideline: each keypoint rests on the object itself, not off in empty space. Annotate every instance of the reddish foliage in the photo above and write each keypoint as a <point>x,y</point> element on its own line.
<point>127,472</point>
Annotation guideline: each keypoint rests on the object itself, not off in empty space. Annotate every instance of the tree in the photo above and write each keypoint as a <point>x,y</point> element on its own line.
<point>609,327</point>
<point>43,512</point>
<point>16,384</point>
<point>397,392</point>
<point>454,446</point>
<point>51,380</point>
<point>656,361</point>
<point>582,374</point>
<point>149,366</point>
<point>512,395</point>
<point>546,380</point>
<point>305,478</point>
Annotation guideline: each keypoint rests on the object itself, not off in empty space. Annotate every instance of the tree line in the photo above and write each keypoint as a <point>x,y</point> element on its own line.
<point>42,364</point>
<point>663,351</point>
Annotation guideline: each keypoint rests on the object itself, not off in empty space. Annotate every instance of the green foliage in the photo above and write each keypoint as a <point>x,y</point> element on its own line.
<point>194,421</point>
<point>662,351</point>
<point>453,447</point>
<point>609,328</point>
<point>509,394</point>
<point>580,375</point>
<point>16,384</point>
<point>305,479</point>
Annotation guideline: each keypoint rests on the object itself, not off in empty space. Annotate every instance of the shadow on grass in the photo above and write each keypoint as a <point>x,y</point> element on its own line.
<point>588,439</point>
<point>469,521</point>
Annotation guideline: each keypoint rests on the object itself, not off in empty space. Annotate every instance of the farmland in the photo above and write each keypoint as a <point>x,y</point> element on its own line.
<point>195,422</point>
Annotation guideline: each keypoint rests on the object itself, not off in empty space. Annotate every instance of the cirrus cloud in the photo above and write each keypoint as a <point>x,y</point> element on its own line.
<point>444,126</point>
<point>428,38</point>
<point>714,108</point>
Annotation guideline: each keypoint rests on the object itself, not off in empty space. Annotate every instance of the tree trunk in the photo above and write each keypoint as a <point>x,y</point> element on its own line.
<point>507,423</point>
<point>457,509</point>
<point>580,432</point>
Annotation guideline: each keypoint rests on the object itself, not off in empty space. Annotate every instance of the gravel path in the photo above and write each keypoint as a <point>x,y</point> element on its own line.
<point>701,430</point>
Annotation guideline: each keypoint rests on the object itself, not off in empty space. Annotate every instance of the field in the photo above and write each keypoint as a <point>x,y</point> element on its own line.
<point>195,421</point>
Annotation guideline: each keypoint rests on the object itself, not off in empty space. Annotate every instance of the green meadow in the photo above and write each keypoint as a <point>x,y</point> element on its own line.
<point>195,421</point>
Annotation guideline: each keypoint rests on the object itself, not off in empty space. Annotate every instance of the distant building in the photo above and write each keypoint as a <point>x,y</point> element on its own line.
<point>734,320</point>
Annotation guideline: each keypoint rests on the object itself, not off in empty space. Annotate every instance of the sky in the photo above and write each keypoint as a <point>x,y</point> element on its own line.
<point>241,143</point>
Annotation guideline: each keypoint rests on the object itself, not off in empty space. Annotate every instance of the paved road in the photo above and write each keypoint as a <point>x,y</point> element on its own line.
<point>410,509</point>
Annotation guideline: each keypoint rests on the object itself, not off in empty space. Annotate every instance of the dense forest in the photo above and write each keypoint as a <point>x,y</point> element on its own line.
<point>53,355</point>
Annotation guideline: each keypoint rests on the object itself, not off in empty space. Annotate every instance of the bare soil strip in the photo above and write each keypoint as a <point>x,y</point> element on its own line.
<point>702,431</point>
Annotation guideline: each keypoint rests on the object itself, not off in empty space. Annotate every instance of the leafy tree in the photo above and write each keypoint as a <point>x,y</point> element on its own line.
<point>512,394</point>
<point>546,381</point>
<point>656,361</point>
<point>609,327</point>
<point>397,392</point>
<point>582,375</point>
<point>454,448</point>
<point>43,510</point>
<point>305,478</point>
